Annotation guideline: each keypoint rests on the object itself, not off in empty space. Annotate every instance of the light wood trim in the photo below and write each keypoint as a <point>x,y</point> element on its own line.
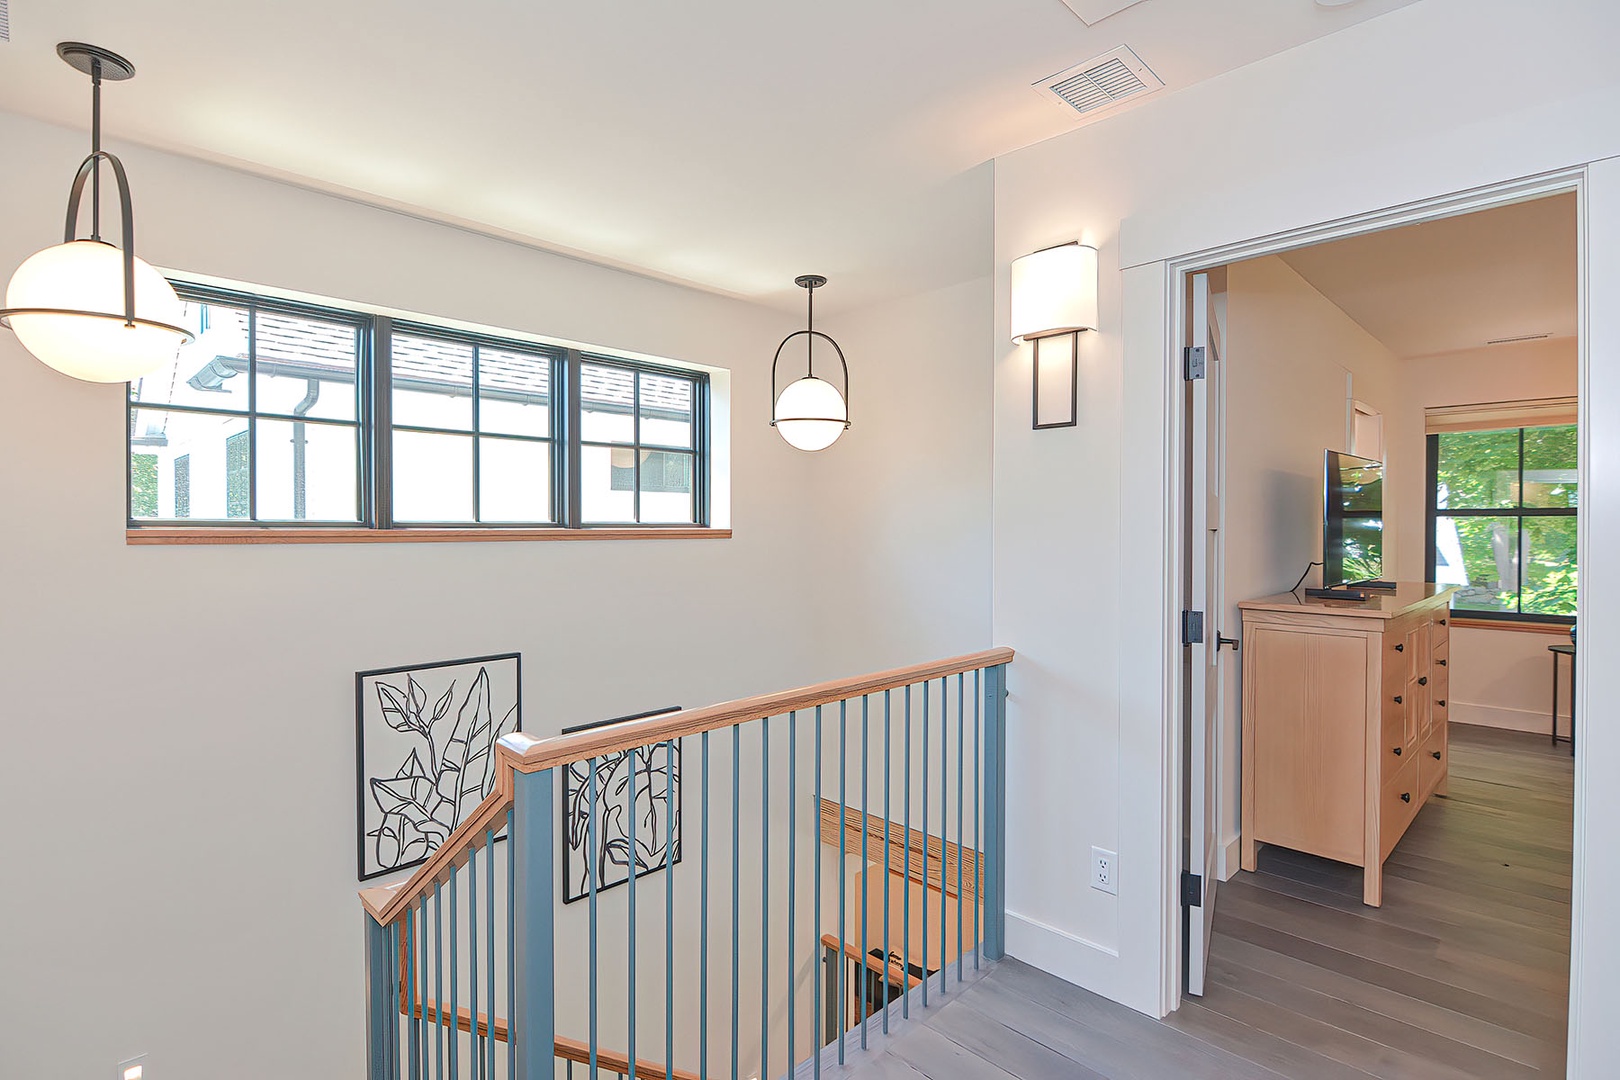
<point>566,1049</point>
<point>269,534</point>
<point>925,863</point>
<point>388,902</point>
<point>1555,629</point>
<point>892,972</point>
<point>533,755</point>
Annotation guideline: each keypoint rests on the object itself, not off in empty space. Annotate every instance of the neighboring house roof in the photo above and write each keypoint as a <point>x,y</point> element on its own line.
<point>302,347</point>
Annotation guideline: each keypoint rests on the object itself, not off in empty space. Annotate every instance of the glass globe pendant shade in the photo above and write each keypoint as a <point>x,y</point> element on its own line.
<point>810,414</point>
<point>72,316</point>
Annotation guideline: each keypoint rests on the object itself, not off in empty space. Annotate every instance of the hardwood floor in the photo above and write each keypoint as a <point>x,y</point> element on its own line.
<point>1463,973</point>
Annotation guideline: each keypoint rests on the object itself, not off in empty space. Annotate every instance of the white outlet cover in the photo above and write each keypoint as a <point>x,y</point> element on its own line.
<point>1102,881</point>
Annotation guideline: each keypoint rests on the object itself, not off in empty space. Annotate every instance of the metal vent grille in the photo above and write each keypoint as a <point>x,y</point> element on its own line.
<point>5,20</point>
<point>1102,82</point>
<point>1515,340</point>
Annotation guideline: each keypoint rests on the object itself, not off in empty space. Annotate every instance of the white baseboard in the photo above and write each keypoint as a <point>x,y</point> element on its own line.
<point>1495,716</point>
<point>1068,956</point>
<point>1230,858</point>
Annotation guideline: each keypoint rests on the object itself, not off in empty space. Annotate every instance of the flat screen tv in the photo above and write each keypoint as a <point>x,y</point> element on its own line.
<point>1352,520</point>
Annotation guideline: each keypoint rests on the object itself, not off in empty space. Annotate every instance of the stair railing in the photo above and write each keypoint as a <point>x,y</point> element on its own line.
<point>463,958</point>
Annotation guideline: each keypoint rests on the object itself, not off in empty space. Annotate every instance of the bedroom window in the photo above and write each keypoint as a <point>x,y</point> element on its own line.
<point>1502,520</point>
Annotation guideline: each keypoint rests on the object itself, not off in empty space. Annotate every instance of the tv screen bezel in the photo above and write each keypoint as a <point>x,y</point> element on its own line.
<point>1333,463</point>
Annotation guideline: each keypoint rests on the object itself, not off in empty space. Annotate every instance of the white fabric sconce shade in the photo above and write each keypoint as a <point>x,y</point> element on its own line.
<point>1054,297</point>
<point>1054,292</point>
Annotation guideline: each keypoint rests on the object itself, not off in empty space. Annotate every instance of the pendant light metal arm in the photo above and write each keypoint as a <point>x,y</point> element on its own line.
<point>87,169</point>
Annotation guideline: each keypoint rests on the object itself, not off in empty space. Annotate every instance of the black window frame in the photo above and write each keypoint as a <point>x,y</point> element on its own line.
<point>374,426</point>
<point>256,304</point>
<point>1518,513</point>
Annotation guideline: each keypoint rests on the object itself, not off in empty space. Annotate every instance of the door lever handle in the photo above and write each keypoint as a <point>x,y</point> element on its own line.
<point>1234,642</point>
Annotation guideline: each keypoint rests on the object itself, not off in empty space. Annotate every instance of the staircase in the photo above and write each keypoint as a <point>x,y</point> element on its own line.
<point>735,941</point>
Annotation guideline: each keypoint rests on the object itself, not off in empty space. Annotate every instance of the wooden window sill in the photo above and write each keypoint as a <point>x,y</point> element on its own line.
<point>1558,629</point>
<point>157,534</point>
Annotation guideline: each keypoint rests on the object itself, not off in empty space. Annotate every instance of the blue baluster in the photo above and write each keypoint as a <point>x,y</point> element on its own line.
<point>593,867</point>
<point>888,777</point>
<point>633,858</point>
<point>817,1004</point>
<point>905,883</point>
<point>438,979</point>
<point>669,904</point>
<point>736,903</point>
<point>764,895</point>
<point>978,810</point>
<point>961,712</point>
<point>994,850</point>
<point>866,863</point>
<point>924,770</point>
<point>843,872</point>
<point>703,928</point>
<point>793,867</point>
<point>472,960</point>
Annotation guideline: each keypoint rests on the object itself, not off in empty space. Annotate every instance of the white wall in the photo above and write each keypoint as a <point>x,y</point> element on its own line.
<point>178,765</point>
<point>1499,677</point>
<point>1294,362</point>
<point>906,490</point>
<point>1470,92</point>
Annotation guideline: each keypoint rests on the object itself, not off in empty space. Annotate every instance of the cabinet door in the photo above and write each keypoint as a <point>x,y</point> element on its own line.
<point>1307,706</point>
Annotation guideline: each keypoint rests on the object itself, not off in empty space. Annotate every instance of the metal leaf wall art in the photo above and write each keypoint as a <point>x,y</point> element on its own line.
<point>639,782</point>
<point>426,750</point>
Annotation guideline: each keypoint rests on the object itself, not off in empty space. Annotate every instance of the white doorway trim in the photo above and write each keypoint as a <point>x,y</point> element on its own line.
<point>1175,272</point>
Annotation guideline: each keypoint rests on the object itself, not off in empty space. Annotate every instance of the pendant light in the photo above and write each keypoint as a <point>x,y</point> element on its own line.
<point>85,307</point>
<point>810,413</point>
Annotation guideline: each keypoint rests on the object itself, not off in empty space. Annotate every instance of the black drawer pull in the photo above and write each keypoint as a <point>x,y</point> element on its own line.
<point>1423,680</point>
<point>1397,751</point>
<point>1442,703</point>
<point>1406,796</point>
<point>1442,663</point>
<point>1397,699</point>
<point>1400,648</point>
<point>1437,755</point>
<point>1442,622</point>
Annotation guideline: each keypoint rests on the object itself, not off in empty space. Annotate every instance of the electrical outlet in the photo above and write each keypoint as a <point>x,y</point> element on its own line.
<point>1105,871</point>
<point>133,1069</point>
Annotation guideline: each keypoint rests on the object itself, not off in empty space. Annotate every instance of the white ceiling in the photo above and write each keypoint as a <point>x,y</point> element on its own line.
<point>1456,283</point>
<point>730,144</point>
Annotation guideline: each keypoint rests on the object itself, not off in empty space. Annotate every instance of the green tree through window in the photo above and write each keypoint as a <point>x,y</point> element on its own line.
<point>1502,520</point>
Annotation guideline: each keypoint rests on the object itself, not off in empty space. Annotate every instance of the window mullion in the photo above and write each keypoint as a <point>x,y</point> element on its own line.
<point>253,414</point>
<point>572,451</point>
<point>380,413</point>
<point>477,479</point>
<point>635,439</point>
<point>1518,596</point>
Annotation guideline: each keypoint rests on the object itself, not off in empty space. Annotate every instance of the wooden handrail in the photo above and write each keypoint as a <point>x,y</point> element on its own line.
<point>524,753</point>
<point>613,1061</point>
<point>528,754</point>
<point>385,903</point>
<point>892,972</point>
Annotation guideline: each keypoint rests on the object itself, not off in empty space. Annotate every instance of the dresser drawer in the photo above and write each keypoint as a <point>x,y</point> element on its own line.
<point>1434,759</point>
<point>1402,795</point>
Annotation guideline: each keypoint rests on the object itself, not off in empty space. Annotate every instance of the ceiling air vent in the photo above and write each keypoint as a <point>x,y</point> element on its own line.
<point>1101,83</point>
<point>5,20</point>
<point>1516,340</point>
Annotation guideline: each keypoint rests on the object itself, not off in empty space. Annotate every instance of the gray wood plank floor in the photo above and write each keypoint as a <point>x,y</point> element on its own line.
<point>1463,973</point>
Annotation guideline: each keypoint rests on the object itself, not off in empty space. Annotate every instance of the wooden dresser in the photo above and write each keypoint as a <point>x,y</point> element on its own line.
<point>1344,722</point>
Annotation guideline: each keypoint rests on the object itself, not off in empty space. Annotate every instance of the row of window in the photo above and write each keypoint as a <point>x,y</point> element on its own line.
<point>289,414</point>
<point>1502,520</point>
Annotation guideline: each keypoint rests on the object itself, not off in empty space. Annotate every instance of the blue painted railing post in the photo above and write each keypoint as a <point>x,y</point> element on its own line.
<point>381,1001</point>
<point>994,852</point>
<point>534,1018</point>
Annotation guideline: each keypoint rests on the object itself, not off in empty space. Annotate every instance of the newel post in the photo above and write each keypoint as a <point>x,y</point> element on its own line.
<point>534,832</point>
<point>994,851</point>
<point>382,1002</point>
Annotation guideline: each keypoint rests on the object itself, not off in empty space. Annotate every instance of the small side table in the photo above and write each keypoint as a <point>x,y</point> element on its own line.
<point>1569,651</point>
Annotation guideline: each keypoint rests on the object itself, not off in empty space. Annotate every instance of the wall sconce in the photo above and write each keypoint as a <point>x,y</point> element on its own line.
<point>1054,297</point>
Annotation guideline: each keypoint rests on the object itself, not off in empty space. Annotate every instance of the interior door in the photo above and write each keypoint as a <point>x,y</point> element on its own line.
<point>1202,669</point>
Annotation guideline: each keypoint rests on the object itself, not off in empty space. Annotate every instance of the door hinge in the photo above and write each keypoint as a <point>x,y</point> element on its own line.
<point>1192,627</point>
<point>1192,889</point>
<point>1192,362</point>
